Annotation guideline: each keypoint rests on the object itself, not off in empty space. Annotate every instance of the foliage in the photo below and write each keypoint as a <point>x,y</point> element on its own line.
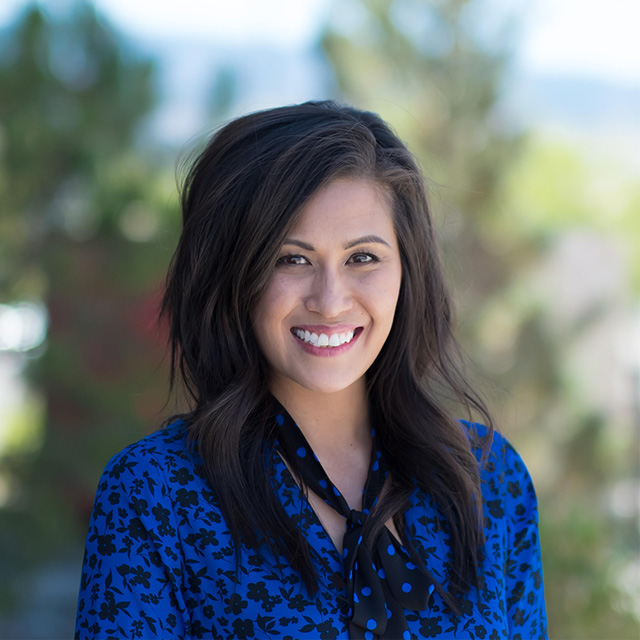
<point>558,185</point>
<point>71,103</point>
<point>85,216</point>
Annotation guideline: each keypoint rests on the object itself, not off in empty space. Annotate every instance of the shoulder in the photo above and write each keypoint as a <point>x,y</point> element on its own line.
<point>506,484</point>
<point>504,475</point>
<point>157,476</point>
<point>494,451</point>
<point>162,451</point>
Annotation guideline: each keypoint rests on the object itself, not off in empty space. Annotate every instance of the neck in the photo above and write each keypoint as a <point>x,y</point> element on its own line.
<point>336,421</point>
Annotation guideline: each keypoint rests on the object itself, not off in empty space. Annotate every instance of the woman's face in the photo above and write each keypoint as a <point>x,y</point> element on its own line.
<point>330,303</point>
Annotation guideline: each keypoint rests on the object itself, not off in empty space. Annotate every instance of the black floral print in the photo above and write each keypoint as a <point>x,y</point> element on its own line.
<point>160,561</point>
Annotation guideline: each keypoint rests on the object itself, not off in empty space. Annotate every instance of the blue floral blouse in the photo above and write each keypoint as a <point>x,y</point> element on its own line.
<point>160,561</point>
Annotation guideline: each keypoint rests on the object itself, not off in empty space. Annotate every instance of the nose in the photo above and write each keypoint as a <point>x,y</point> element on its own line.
<point>330,294</point>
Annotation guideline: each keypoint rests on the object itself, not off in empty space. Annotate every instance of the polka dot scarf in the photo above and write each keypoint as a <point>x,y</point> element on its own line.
<point>381,579</point>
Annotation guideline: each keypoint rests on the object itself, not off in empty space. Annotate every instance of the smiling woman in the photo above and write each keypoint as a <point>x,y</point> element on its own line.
<point>335,298</point>
<point>318,487</point>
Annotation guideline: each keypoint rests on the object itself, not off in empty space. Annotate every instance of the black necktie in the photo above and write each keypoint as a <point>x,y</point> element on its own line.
<point>382,580</point>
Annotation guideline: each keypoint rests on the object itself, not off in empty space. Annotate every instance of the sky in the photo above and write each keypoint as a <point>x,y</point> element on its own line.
<point>578,37</point>
<point>584,37</point>
<point>269,45</point>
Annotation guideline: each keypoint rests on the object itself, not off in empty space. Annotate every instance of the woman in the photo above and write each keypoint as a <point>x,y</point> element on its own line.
<point>319,487</point>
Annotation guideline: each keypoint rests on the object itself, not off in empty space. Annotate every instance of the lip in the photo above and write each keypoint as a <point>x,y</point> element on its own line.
<point>326,352</point>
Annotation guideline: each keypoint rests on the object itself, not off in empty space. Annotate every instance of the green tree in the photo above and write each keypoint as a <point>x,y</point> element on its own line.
<point>72,101</point>
<point>84,211</point>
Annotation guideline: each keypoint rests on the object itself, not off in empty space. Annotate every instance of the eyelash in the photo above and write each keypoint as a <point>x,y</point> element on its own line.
<point>373,258</point>
<point>283,260</point>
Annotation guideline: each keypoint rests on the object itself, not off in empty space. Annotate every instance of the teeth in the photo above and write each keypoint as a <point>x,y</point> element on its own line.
<point>323,340</point>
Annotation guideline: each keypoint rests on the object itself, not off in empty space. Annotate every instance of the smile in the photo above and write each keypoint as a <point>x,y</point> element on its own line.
<point>324,340</point>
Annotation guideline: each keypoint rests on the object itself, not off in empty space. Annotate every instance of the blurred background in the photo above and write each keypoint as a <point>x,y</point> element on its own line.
<point>525,116</point>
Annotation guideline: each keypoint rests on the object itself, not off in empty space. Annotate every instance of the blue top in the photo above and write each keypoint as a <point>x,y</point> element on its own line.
<point>160,561</point>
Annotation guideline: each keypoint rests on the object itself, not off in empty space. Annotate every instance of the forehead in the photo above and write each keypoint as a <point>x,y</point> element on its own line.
<point>346,206</point>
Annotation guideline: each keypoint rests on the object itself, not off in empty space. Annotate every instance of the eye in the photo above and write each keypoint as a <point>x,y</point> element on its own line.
<point>363,258</point>
<point>291,260</point>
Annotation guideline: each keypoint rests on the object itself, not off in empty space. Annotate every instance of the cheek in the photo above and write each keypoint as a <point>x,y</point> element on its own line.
<point>271,309</point>
<point>383,293</point>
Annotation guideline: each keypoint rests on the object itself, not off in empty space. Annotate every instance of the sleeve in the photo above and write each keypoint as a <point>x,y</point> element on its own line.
<point>132,570</point>
<point>526,611</point>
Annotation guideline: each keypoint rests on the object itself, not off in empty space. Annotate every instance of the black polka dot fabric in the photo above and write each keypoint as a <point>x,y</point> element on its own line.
<point>381,581</point>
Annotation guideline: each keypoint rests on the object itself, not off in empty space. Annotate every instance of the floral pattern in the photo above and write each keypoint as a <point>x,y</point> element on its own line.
<point>160,561</point>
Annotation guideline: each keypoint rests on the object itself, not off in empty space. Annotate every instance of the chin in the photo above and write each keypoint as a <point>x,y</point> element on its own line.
<point>328,386</point>
<point>328,389</point>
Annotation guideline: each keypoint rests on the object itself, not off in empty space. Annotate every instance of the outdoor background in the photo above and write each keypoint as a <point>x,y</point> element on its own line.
<point>525,116</point>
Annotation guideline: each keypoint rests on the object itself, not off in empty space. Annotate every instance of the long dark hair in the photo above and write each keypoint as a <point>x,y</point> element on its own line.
<point>240,199</point>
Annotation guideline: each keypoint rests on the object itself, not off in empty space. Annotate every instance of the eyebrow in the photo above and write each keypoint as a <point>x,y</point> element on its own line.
<point>352,243</point>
